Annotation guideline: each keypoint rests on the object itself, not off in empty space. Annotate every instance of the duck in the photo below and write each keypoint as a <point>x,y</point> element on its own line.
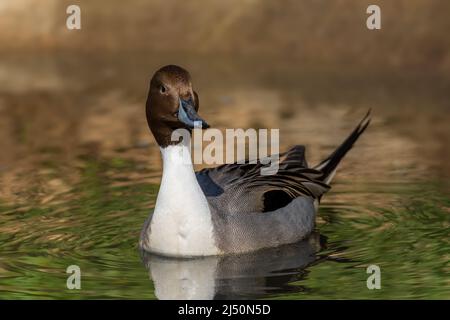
<point>231,208</point>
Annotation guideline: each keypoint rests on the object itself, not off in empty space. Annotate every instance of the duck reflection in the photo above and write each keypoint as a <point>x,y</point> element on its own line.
<point>252,275</point>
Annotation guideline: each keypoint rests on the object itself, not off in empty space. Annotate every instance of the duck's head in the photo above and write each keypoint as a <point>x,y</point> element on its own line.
<point>172,104</point>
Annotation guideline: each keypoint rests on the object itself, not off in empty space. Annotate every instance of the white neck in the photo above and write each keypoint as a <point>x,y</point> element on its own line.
<point>181,223</point>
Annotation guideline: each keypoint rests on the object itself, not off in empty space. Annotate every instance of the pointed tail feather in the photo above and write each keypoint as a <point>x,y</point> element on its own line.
<point>329,165</point>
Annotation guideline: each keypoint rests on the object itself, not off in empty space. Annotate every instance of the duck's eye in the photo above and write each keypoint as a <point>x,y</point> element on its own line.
<point>162,89</point>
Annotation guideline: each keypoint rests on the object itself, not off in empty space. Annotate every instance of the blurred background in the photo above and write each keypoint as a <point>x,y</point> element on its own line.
<point>79,170</point>
<point>318,31</point>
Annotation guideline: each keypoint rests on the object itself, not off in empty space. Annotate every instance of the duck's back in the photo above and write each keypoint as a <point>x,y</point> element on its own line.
<point>241,188</point>
<point>251,211</point>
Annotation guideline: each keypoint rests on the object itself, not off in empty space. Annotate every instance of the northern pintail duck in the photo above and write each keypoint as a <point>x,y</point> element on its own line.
<point>231,208</point>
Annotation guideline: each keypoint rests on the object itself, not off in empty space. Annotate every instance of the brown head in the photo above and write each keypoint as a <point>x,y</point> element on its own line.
<point>172,104</point>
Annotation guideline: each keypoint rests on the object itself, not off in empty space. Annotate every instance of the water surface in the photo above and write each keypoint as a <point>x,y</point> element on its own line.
<point>79,174</point>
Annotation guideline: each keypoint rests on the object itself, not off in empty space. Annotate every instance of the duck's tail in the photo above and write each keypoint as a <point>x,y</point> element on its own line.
<point>329,165</point>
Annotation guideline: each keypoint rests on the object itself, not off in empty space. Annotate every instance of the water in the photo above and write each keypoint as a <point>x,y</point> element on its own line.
<point>79,174</point>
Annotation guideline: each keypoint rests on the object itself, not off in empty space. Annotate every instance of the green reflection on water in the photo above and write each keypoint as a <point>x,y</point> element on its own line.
<point>409,240</point>
<point>97,230</point>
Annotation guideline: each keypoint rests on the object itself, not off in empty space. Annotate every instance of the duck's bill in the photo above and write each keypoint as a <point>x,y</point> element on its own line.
<point>188,116</point>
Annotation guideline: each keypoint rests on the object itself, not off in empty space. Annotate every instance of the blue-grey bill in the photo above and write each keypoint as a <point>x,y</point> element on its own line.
<point>188,116</point>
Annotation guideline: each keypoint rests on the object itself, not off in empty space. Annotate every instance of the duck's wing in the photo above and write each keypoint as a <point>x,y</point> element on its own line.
<point>240,188</point>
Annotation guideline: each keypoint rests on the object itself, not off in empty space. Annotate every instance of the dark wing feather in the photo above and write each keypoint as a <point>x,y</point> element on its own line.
<point>241,187</point>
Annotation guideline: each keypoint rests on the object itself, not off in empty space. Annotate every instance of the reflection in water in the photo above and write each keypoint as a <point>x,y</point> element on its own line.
<point>252,275</point>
